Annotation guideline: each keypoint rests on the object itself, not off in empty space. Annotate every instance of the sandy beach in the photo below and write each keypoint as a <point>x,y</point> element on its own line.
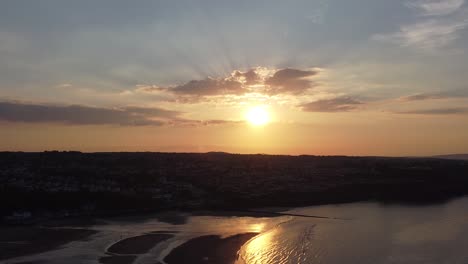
<point>22,241</point>
<point>137,245</point>
<point>127,250</point>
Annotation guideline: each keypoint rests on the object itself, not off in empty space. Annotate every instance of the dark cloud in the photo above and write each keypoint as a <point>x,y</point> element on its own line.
<point>249,77</point>
<point>207,87</point>
<point>438,111</point>
<point>339,104</point>
<point>283,81</point>
<point>289,81</point>
<point>83,115</point>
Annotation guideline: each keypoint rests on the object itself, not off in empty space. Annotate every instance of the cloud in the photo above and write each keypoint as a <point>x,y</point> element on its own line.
<point>64,85</point>
<point>426,35</point>
<point>289,81</point>
<point>148,88</point>
<point>438,111</point>
<point>84,115</point>
<point>339,104</point>
<point>211,122</point>
<point>208,86</point>
<point>249,77</point>
<point>420,97</point>
<point>444,22</point>
<point>455,94</point>
<point>436,7</point>
<point>257,80</point>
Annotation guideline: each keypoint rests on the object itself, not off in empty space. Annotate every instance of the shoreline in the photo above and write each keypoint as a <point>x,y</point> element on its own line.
<point>215,248</point>
<point>210,244</point>
<point>211,249</point>
<point>171,181</point>
<point>167,215</point>
<point>127,250</point>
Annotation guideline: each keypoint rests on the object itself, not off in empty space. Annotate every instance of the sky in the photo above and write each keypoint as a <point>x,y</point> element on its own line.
<point>330,77</point>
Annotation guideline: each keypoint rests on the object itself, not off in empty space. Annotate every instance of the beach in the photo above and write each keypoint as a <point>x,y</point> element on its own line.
<point>127,250</point>
<point>17,242</point>
<point>22,241</point>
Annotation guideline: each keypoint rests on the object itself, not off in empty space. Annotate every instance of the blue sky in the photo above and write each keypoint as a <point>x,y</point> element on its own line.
<point>401,58</point>
<point>47,42</point>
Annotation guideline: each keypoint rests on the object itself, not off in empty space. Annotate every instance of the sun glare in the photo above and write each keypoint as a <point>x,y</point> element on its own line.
<point>258,116</point>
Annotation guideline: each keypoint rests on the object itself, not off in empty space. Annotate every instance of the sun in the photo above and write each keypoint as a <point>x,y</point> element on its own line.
<point>257,116</point>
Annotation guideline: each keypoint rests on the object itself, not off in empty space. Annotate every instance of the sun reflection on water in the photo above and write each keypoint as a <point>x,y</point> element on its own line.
<point>257,228</point>
<point>258,249</point>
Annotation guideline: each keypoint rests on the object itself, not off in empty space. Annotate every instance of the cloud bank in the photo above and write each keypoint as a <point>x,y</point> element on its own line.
<point>257,80</point>
<point>84,115</point>
<point>289,81</point>
<point>339,104</point>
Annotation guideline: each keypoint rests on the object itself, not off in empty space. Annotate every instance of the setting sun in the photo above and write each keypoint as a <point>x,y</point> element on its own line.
<point>258,116</point>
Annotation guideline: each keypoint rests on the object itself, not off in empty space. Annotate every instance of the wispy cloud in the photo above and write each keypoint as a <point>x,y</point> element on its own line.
<point>64,85</point>
<point>426,35</point>
<point>437,111</point>
<point>197,123</point>
<point>455,94</point>
<point>443,25</point>
<point>208,86</point>
<point>141,88</point>
<point>436,7</point>
<point>339,104</point>
<point>420,97</point>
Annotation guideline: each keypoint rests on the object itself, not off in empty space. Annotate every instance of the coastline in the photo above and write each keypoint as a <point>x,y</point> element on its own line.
<point>209,249</point>
<point>160,241</point>
<point>21,244</point>
<point>125,251</point>
<point>190,182</point>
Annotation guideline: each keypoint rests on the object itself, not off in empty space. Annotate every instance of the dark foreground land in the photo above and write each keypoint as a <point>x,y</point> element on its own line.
<point>34,186</point>
<point>19,241</point>
<point>29,240</point>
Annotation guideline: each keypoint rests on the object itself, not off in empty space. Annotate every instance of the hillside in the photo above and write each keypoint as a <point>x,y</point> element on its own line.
<point>453,156</point>
<point>73,183</point>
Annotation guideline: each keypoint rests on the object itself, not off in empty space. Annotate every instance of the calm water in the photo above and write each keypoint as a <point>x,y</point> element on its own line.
<point>373,234</point>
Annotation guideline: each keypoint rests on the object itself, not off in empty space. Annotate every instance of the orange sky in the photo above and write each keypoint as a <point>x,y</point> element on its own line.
<point>343,77</point>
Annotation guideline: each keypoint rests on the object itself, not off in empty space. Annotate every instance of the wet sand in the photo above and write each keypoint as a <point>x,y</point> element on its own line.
<point>22,241</point>
<point>209,249</point>
<point>127,250</point>
<point>138,244</point>
<point>117,259</point>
